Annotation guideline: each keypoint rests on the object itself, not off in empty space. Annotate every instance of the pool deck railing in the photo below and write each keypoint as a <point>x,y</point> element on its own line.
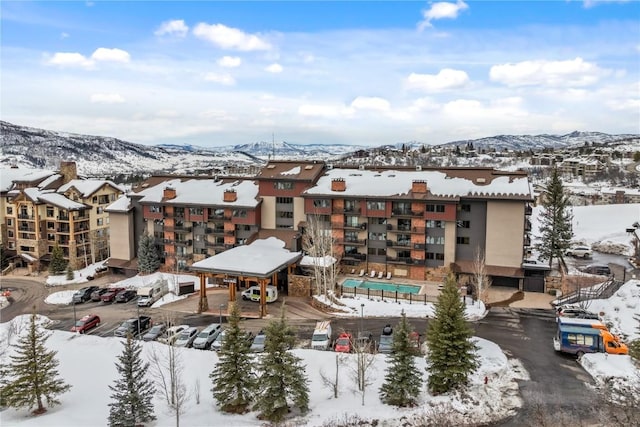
<point>411,298</point>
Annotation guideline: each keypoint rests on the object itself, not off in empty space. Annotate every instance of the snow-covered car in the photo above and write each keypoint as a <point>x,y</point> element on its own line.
<point>186,337</point>
<point>257,346</point>
<point>580,252</point>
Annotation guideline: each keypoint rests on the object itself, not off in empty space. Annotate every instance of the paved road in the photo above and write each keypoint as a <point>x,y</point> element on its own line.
<point>557,382</point>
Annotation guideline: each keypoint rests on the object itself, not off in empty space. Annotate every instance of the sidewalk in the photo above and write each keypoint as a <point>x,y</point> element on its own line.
<point>510,297</point>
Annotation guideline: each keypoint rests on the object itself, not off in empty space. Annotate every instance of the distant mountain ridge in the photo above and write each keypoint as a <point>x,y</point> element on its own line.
<point>106,156</point>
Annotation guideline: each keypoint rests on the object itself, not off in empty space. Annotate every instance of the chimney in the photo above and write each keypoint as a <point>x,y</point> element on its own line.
<point>68,171</point>
<point>338,184</point>
<point>230,195</point>
<point>419,186</point>
<point>169,193</point>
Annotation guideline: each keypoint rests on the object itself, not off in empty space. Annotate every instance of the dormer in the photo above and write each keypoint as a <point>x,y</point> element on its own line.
<point>338,184</point>
<point>230,195</point>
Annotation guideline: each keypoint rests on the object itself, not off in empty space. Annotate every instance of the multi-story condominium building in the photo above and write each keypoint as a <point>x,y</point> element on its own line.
<point>417,223</point>
<point>409,222</point>
<point>190,218</point>
<point>57,208</point>
<point>586,167</point>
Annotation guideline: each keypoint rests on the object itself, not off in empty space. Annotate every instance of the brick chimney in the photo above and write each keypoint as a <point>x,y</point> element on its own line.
<point>230,195</point>
<point>419,186</point>
<point>169,193</point>
<point>68,171</point>
<point>338,184</point>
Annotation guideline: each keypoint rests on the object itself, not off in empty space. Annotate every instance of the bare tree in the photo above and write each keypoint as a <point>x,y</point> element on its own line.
<point>481,280</point>
<point>332,383</point>
<point>361,372</point>
<point>319,243</point>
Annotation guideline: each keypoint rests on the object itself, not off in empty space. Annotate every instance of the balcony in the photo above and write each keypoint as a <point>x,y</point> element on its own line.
<point>359,226</point>
<point>178,228</point>
<point>27,229</point>
<point>350,241</point>
<point>215,245</point>
<point>349,210</point>
<point>25,216</point>
<point>400,212</point>
<point>63,217</point>
<point>354,257</point>
<point>405,260</point>
<point>184,242</point>
<point>63,230</point>
<point>398,243</point>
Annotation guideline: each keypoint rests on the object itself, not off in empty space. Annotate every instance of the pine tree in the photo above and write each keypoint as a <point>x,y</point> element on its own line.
<point>32,373</point>
<point>148,259</point>
<point>403,381</point>
<point>57,263</point>
<point>281,375</point>
<point>555,221</point>
<point>70,274</point>
<point>132,392</point>
<point>451,355</point>
<point>234,383</point>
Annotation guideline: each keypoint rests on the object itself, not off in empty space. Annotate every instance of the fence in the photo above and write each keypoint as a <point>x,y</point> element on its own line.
<point>604,290</point>
<point>411,298</point>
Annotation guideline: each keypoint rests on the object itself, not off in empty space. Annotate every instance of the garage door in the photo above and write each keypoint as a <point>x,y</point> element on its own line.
<point>534,284</point>
<point>510,282</point>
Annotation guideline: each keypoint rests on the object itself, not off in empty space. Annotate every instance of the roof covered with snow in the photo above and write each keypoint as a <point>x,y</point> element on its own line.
<point>203,192</point>
<point>123,204</point>
<point>389,183</point>
<point>10,175</point>
<point>261,258</point>
<point>60,201</point>
<point>87,187</point>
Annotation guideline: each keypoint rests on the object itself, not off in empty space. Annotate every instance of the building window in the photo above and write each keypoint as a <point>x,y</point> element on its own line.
<point>240,213</point>
<point>380,221</point>
<point>435,208</point>
<point>435,240</point>
<point>282,214</point>
<point>155,209</point>
<point>284,200</point>
<point>435,224</point>
<point>9,222</point>
<point>283,185</point>
<point>10,234</point>
<point>376,206</point>
<point>9,210</point>
<point>321,203</point>
<point>435,256</point>
<point>195,211</point>
<point>377,236</point>
<point>284,226</point>
<point>462,240</point>
<point>377,251</point>
<point>463,224</point>
<point>100,222</point>
<point>465,207</point>
<point>99,210</point>
<point>50,212</point>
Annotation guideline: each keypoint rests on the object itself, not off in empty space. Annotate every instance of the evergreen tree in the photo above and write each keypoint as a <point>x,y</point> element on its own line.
<point>555,221</point>
<point>4,257</point>
<point>70,274</point>
<point>234,383</point>
<point>403,381</point>
<point>281,375</point>
<point>451,355</point>
<point>132,392</point>
<point>57,263</point>
<point>634,346</point>
<point>32,373</point>
<point>148,259</point>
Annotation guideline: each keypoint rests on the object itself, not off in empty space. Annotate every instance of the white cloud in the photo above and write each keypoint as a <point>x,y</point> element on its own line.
<point>441,10</point>
<point>70,59</point>
<point>111,55</point>
<point>327,111</point>
<point>175,27</point>
<point>64,36</point>
<point>230,61</point>
<point>371,103</point>
<point>223,79</point>
<point>274,68</point>
<point>572,72</point>
<point>107,98</point>
<point>230,38</point>
<point>446,79</point>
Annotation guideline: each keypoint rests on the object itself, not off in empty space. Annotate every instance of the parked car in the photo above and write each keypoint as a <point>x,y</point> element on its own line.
<point>343,343</point>
<point>602,270</point>
<point>364,341</point>
<point>83,294</point>
<point>126,295</point>
<point>110,296</point>
<point>172,333</point>
<point>97,294</point>
<point>207,336</point>
<point>386,340</point>
<point>217,344</point>
<point>186,337</point>
<point>133,326</point>
<point>580,252</point>
<point>87,322</point>
<point>257,346</point>
<point>155,332</point>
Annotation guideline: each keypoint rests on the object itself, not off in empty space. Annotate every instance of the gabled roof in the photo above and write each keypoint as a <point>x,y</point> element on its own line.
<point>261,258</point>
<point>50,197</point>
<point>8,176</point>
<point>123,204</point>
<point>86,187</point>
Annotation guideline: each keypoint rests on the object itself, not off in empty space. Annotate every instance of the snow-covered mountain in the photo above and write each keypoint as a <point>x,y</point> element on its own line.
<point>105,156</point>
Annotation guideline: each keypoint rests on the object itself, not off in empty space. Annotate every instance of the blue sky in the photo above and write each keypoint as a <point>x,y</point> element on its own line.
<point>370,73</point>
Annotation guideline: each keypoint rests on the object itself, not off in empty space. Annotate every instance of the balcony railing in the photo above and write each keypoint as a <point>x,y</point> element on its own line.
<point>400,212</point>
<point>25,216</point>
<point>361,226</point>
<point>346,210</point>
<point>405,260</point>
<point>350,241</point>
<point>178,228</point>
<point>184,242</point>
<point>356,256</point>
<point>399,243</point>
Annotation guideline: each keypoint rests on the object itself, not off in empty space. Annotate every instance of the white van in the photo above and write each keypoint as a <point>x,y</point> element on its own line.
<point>321,338</point>
<point>253,294</point>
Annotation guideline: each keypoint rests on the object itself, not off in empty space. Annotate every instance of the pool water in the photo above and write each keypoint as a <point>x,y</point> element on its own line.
<point>381,286</point>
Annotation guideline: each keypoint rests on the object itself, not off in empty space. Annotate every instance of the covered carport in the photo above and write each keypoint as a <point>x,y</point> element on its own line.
<point>257,262</point>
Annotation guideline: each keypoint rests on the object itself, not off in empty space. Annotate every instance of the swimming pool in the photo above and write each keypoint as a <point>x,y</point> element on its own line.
<point>381,286</point>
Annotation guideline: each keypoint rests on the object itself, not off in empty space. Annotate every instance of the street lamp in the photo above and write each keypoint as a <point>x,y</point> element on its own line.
<point>361,317</point>
<point>221,307</point>
<point>74,312</point>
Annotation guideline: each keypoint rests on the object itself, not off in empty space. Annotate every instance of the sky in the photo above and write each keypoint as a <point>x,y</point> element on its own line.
<point>365,73</point>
